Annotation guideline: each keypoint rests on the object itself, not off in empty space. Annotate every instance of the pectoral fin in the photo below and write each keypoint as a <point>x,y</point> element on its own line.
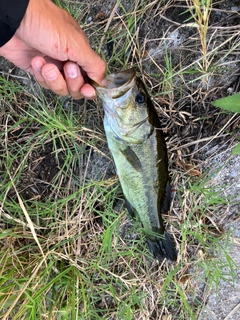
<point>132,158</point>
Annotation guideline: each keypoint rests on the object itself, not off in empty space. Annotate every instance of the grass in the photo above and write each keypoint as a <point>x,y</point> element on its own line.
<point>68,248</point>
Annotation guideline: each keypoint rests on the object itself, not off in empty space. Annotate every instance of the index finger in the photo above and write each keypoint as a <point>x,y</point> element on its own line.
<point>94,66</point>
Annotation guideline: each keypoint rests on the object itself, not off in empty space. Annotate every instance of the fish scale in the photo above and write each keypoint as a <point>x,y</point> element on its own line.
<point>139,151</point>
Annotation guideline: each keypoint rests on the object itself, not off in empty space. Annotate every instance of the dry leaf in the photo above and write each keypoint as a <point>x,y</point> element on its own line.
<point>189,168</point>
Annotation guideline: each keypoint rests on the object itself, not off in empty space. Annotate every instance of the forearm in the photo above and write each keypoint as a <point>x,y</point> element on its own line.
<point>11,15</point>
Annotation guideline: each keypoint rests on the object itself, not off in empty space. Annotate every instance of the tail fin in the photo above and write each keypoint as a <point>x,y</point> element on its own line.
<point>162,248</point>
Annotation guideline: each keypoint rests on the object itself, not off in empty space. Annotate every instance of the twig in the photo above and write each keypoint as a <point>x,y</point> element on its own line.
<point>107,25</point>
<point>232,312</point>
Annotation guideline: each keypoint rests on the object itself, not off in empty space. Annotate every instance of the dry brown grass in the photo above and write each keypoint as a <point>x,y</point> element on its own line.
<point>68,250</point>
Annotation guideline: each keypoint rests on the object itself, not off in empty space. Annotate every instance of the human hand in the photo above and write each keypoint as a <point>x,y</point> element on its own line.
<point>50,45</point>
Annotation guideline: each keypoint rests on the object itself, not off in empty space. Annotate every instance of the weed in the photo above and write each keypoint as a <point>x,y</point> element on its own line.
<point>230,103</point>
<point>68,248</point>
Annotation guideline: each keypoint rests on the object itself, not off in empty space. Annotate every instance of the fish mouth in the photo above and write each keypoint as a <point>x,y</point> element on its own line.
<point>117,80</point>
<point>117,84</point>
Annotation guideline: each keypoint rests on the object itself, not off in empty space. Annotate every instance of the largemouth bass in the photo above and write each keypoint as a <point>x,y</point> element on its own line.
<point>139,151</point>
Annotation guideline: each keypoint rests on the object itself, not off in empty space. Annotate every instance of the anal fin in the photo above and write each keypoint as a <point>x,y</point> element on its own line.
<point>130,209</point>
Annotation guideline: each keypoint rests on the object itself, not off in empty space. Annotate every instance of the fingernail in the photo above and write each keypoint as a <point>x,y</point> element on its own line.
<point>51,74</point>
<point>72,71</point>
<point>38,65</point>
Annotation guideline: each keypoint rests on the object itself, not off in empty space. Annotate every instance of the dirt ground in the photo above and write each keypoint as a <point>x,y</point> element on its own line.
<point>225,304</point>
<point>184,121</point>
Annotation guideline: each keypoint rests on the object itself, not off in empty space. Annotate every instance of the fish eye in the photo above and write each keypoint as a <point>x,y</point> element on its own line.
<point>140,97</point>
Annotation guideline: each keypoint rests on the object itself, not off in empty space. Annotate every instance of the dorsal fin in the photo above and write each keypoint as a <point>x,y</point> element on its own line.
<point>167,199</point>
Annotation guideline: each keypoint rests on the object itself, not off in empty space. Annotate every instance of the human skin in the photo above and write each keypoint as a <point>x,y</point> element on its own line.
<point>50,44</point>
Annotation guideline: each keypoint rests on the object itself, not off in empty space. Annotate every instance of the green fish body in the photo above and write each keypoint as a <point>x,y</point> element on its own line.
<point>139,151</point>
